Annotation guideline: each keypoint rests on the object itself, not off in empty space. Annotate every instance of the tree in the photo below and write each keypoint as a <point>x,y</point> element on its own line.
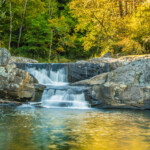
<point>120,8</point>
<point>22,21</point>
<point>10,37</point>
<point>2,16</point>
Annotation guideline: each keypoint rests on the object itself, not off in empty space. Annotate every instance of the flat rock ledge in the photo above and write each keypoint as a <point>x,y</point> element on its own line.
<point>21,60</point>
<point>8,102</point>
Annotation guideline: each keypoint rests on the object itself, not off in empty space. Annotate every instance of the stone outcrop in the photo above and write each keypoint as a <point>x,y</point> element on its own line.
<point>82,70</point>
<point>126,87</point>
<point>17,84</point>
<point>85,70</point>
<point>4,57</point>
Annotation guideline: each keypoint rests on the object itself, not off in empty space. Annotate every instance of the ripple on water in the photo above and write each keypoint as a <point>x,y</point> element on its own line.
<point>64,129</point>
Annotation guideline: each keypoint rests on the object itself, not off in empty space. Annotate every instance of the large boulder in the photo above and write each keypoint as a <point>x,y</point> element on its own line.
<point>126,87</point>
<point>4,57</point>
<point>17,84</point>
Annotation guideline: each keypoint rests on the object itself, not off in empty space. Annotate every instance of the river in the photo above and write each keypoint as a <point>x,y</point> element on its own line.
<point>38,128</point>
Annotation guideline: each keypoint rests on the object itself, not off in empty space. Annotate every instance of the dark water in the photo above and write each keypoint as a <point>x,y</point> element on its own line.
<point>68,129</point>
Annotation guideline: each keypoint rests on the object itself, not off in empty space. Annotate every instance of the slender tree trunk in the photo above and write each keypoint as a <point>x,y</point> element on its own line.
<point>126,7</point>
<point>50,11</point>
<point>120,8</point>
<point>134,5</point>
<point>21,26</point>
<point>130,7</point>
<point>50,8</point>
<point>10,36</point>
<point>51,44</point>
<point>98,43</point>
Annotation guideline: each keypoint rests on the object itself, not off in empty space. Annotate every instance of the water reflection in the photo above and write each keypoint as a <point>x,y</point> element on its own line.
<point>66,129</point>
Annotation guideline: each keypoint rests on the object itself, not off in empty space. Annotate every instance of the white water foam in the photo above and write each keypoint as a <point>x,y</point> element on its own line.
<point>40,75</point>
<point>56,97</point>
<point>63,98</point>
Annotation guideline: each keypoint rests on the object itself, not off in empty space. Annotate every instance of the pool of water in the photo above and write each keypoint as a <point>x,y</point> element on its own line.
<point>68,129</point>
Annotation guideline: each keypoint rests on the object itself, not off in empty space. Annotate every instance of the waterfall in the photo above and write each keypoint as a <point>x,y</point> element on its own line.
<point>58,93</point>
<point>68,97</point>
<point>52,74</point>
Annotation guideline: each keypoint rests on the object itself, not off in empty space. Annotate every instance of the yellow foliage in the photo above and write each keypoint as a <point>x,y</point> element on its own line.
<point>130,46</point>
<point>61,49</point>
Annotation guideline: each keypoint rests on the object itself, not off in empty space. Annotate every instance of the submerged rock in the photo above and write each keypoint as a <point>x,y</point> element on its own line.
<point>126,87</point>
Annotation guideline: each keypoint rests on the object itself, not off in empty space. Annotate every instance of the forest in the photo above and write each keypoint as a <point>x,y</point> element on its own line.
<point>64,30</point>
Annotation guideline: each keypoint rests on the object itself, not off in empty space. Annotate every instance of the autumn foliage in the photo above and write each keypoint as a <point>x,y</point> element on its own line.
<point>74,29</point>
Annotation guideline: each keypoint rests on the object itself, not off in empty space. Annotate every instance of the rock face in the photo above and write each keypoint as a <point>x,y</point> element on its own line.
<point>84,70</point>
<point>16,84</point>
<point>126,87</point>
<point>4,57</point>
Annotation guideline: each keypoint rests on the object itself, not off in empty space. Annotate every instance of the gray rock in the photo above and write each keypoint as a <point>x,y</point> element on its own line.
<point>4,57</point>
<point>107,55</point>
<point>18,85</point>
<point>126,87</point>
<point>81,71</point>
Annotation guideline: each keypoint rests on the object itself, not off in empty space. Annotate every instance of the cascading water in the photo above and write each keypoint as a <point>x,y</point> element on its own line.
<point>49,75</point>
<point>58,93</point>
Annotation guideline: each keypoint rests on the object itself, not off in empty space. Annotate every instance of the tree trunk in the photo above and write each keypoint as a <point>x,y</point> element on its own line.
<point>51,44</point>
<point>21,26</point>
<point>50,8</point>
<point>50,11</point>
<point>130,7</point>
<point>126,7</point>
<point>120,8</point>
<point>134,5</point>
<point>10,36</point>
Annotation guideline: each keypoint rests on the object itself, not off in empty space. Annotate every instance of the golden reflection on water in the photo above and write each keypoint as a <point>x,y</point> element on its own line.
<point>78,130</point>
